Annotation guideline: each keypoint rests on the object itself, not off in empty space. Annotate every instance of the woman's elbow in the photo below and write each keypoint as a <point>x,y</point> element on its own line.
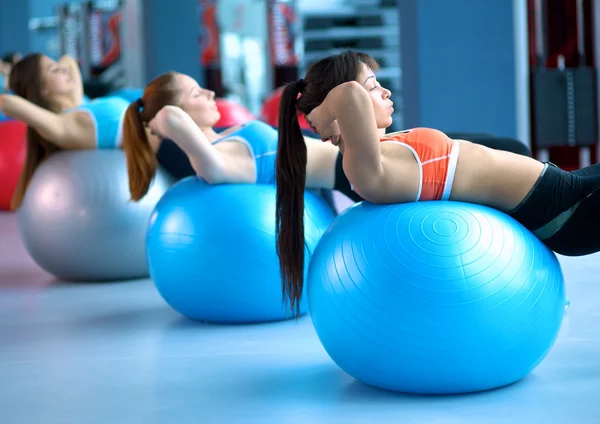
<point>213,174</point>
<point>211,177</point>
<point>172,115</point>
<point>371,187</point>
<point>352,91</point>
<point>224,173</point>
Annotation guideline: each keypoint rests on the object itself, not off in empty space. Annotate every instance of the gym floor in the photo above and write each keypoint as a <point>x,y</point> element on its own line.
<point>116,352</point>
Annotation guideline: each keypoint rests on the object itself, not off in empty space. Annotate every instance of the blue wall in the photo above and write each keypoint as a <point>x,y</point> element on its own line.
<point>45,41</point>
<point>171,38</point>
<point>459,65</point>
<point>14,31</point>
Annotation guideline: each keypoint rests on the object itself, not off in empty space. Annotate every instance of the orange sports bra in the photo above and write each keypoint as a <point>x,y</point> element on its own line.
<point>436,154</point>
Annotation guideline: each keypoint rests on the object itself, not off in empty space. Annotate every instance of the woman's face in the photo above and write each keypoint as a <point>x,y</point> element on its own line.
<point>56,79</point>
<point>198,102</point>
<point>380,97</point>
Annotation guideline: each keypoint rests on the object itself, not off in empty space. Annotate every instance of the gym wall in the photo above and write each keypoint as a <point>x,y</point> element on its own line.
<point>458,65</point>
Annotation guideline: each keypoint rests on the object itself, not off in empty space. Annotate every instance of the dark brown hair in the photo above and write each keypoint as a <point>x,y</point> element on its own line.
<point>141,159</point>
<point>25,80</point>
<point>290,168</point>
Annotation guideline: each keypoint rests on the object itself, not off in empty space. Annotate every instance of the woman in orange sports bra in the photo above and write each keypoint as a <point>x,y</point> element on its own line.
<point>436,156</point>
<point>344,104</point>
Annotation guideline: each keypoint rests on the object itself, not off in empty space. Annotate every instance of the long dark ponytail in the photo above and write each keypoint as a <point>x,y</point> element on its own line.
<point>290,165</point>
<point>290,168</point>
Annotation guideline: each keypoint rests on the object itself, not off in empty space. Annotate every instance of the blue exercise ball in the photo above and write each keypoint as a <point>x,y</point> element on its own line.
<point>131,94</point>
<point>211,250</point>
<point>4,117</point>
<point>434,297</point>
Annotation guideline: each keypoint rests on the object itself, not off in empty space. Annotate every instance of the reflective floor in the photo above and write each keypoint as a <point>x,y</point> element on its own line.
<point>116,353</point>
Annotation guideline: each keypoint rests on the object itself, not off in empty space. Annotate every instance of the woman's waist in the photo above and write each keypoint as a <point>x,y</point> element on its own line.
<point>493,178</point>
<point>480,175</point>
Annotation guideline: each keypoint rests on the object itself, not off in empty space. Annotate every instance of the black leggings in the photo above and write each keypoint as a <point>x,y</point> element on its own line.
<point>507,144</point>
<point>563,210</point>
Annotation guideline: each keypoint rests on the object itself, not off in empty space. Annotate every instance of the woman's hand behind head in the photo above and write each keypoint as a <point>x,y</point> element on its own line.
<point>166,114</point>
<point>324,124</point>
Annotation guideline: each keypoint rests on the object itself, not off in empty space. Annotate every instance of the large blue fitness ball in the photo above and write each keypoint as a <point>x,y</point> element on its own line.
<point>130,94</point>
<point>211,250</point>
<point>434,297</point>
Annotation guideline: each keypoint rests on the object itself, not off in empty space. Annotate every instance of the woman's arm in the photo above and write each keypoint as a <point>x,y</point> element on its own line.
<point>213,165</point>
<point>351,106</point>
<point>75,73</point>
<point>74,130</point>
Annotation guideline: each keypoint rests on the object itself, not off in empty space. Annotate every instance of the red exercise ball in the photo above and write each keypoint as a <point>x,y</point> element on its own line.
<point>232,113</point>
<point>270,110</point>
<point>13,147</point>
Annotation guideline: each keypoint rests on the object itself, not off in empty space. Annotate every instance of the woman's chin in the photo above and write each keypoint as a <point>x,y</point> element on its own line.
<point>385,124</point>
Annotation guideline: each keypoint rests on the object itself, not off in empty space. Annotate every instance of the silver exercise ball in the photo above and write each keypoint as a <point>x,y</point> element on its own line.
<point>77,221</point>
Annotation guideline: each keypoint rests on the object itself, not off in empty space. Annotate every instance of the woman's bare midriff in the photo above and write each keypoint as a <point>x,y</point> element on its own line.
<point>493,178</point>
<point>484,176</point>
<point>320,164</point>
